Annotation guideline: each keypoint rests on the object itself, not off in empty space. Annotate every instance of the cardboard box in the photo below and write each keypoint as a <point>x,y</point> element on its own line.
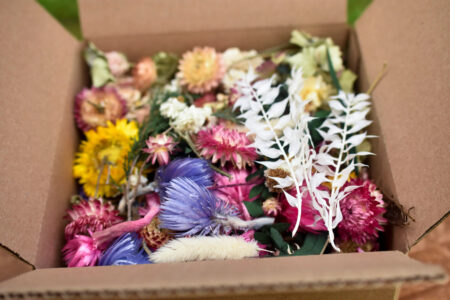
<point>41,70</point>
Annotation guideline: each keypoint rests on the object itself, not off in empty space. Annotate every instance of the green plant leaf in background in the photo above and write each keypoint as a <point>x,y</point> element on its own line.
<point>66,12</point>
<point>355,8</point>
<point>314,244</point>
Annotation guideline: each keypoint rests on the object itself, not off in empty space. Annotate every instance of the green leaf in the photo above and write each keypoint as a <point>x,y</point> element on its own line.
<point>258,173</point>
<point>281,227</point>
<point>314,244</point>
<point>355,8</point>
<point>332,72</point>
<point>263,238</point>
<point>265,193</point>
<point>254,208</point>
<point>255,191</point>
<point>100,72</point>
<point>320,116</point>
<point>279,241</point>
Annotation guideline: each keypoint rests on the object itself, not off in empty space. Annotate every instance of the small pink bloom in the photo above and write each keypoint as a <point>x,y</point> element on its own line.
<point>159,148</point>
<point>235,190</point>
<point>362,213</point>
<point>310,219</point>
<point>81,251</point>
<point>90,216</point>
<point>219,143</point>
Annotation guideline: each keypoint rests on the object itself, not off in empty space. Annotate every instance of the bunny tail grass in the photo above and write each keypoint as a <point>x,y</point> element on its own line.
<point>205,248</point>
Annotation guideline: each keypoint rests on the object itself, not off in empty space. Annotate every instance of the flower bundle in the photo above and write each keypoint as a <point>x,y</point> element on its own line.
<point>222,155</point>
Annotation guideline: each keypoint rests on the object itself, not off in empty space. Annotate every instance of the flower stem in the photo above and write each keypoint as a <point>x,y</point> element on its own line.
<point>377,79</point>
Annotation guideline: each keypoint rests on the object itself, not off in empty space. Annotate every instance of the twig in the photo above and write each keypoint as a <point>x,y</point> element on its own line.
<point>377,79</point>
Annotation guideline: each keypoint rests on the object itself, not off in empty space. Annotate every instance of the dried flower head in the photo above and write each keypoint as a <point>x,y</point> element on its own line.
<point>172,108</point>
<point>236,189</point>
<point>81,251</point>
<point>196,169</point>
<point>191,209</point>
<point>95,107</point>
<point>219,143</point>
<point>362,212</point>
<point>316,91</point>
<point>155,236</point>
<point>271,207</point>
<point>272,183</point>
<point>159,147</point>
<point>350,246</point>
<point>144,73</point>
<point>103,153</point>
<point>90,216</point>
<point>117,63</point>
<point>201,70</point>
<point>126,250</point>
<point>191,119</point>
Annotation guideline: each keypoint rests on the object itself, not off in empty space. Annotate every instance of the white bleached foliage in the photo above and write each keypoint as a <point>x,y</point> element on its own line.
<point>341,134</point>
<point>291,151</point>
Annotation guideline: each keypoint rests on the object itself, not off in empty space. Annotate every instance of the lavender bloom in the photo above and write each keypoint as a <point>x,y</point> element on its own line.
<point>126,250</point>
<point>198,170</point>
<point>191,209</point>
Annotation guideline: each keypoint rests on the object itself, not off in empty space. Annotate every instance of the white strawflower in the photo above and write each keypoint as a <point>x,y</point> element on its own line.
<point>237,63</point>
<point>172,108</point>
<point>192,119</point>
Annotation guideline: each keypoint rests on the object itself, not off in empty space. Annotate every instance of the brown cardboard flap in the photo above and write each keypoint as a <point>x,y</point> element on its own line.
<point>411,102</point>
<point>37,72</point>
<point>118,17</point>
<point>218,277</point>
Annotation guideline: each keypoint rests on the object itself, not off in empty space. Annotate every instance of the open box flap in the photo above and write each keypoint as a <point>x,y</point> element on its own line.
<point>219,277</point>
<point>119,18</point>
<point>37,63</point>
<point>411,102</point>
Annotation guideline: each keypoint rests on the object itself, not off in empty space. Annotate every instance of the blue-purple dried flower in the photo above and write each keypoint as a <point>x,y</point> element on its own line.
<point>191,209</point>
<point>126,250</point>
<point>196,169</point>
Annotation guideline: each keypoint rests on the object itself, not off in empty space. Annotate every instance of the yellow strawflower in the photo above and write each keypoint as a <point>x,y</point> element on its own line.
<point>104,150</point>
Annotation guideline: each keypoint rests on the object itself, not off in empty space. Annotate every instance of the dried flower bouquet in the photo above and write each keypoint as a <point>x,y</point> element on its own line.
<point>222,156</point>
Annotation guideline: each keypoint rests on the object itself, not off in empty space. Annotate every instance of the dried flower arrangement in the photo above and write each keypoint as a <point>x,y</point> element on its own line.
<point>222,156</point>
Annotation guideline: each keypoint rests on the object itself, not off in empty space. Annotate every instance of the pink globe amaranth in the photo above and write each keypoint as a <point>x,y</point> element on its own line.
<point>224,145</point>
<point>238,192</point>
<point>362,213</point>
<point>90,216</point>
<point>310,221</point>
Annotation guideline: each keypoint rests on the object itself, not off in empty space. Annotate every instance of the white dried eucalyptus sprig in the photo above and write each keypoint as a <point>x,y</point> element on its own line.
<point>291,151</point>
<point>341,133</point>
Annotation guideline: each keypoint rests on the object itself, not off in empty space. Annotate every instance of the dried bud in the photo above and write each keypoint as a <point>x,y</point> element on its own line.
<point>271,207</point>
<point>154,236</point>
<point>271,183</point>
<point>144,73</point>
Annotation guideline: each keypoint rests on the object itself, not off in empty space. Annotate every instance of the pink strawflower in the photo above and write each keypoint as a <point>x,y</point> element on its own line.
<point>235,190</point>
<point>96,106</point>
<point>81,251</point>
<point>362,213</point>
<point>310,219</point>
<point>227,145</point>
<point>159,148</point>
<point>271,207</point>
<point>90,216</point>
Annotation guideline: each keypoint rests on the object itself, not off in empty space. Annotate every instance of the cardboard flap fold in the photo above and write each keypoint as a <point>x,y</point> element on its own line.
<point>411,102</point>
<point>37,65</point>
<point>234,276</point>
<point>119,18</point>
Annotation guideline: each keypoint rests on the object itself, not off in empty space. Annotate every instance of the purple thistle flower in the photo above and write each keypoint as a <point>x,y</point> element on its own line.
<point>191,209</point>
<point>126,250</point>
<point>196,169</point>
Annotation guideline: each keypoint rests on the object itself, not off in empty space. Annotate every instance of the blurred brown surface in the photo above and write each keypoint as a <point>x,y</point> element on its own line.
<point>435,249</point>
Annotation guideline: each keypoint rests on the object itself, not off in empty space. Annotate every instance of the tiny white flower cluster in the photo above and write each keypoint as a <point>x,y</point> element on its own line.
<point>185,119</point>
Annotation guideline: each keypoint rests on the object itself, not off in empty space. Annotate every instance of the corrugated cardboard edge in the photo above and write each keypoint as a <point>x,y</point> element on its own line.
<point>283,274</point>
<point>11,264</point>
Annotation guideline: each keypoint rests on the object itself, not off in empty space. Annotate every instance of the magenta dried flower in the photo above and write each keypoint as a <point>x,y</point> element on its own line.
<point>362,212</point>
<point>159,147</point>
<point>95,107</point>
<point>90,216</point>
<point>81,251</point>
